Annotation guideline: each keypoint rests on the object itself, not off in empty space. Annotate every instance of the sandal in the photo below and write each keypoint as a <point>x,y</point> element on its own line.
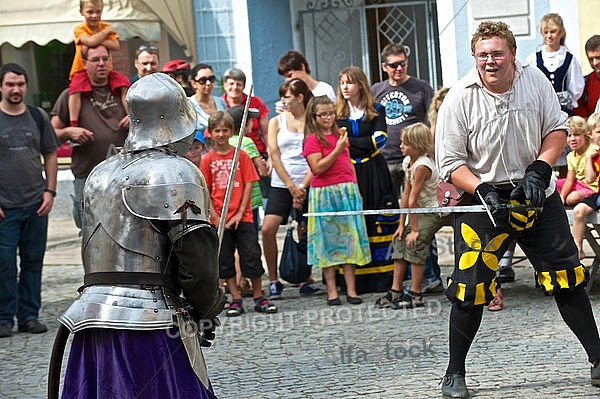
<point>262,305</point>
<point>235,308</point>
<point>245,288</point>
<point>496,303</point>
<point>387,301</point>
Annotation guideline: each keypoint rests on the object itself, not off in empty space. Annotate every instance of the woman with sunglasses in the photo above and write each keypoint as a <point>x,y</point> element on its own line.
<point>203,81</point>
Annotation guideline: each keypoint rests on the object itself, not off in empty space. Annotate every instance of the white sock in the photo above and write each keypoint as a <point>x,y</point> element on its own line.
<point>507,259</point>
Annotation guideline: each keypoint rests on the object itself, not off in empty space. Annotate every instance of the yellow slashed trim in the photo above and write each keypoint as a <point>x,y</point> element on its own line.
<point>579,275</point>
<point>561,278</point>
<point>480,294</point>
<point>460,291</point>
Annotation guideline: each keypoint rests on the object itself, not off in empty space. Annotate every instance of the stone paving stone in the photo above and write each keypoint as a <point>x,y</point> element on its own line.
<point>310,350</point>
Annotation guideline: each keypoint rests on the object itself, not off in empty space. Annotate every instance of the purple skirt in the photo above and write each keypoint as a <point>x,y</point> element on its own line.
<point>124,364</point>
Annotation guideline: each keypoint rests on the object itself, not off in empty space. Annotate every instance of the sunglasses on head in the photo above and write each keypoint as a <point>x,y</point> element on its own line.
<point>150,49</point>
<point>205,79</point>
<point>395,65</point>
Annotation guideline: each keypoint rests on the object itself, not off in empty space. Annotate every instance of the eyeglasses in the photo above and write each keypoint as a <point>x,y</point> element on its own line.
<point>98,59</point>
<point>324,115</point>
<point>496,55</point>
<point>395,65</point>
<point>205,79</point>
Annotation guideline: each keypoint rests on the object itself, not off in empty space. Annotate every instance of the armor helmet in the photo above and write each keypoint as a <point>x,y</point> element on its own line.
<point>176,67</point>
<point>160,113</point>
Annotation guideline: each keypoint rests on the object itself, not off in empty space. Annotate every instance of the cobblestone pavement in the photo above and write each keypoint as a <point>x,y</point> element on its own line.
<point>310,350</point>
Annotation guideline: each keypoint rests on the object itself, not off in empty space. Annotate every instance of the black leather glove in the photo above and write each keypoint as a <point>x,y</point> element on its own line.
<point>206,329</point>
<point>492,199</point>
<point>534,184</point>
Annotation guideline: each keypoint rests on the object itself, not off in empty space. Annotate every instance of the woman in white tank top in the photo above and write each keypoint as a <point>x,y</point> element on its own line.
<point>291,175</point>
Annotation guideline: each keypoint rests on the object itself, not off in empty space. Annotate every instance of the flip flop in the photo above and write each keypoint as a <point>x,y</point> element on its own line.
<point>496,303</point>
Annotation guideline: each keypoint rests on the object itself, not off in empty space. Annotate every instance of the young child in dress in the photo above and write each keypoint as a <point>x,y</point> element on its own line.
<point>91,33</point>
<point>592,169</point>
<point>412,240</point>
<point>240,233</point>
<point>339,240</point>
<point>573,188</point>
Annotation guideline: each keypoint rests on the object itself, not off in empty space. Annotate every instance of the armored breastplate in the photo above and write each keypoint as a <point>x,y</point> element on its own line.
<point>122,196</point>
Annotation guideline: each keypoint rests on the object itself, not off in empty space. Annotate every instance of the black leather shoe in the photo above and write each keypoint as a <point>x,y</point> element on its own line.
<point>33,327</point>
<point>454,386</point>
<point>506,274</point>
<point>595,380</point>
<point>334,302</point>
<point>354,300</point>
<point>5,330</point>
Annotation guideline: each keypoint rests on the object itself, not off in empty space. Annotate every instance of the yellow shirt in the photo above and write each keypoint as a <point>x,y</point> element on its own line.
<point>80,30</point>
<point>577,163</point>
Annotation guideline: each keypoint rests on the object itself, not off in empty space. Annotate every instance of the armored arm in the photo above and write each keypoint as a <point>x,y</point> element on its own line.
<point>196,248</point>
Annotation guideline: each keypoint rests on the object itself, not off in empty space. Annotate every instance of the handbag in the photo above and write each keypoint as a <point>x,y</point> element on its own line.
<point>292,265</point>
<point>450,195</point>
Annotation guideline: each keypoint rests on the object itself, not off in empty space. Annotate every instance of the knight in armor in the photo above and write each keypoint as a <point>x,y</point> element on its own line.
<point>150,296</point>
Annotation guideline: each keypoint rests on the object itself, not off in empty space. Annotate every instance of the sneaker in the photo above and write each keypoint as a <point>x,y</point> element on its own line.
<point>506,274</point>
<point>275,289</point>
<point>262,305</point>
<point>5,330</point>
<point>454,386</point>
<point>595,372</point>
<point>308,289</point>
<point>408,300</point>
<point>33,327</point>
<point>432,285</point>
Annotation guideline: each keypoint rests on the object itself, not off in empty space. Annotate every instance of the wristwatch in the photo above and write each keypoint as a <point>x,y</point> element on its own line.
<point>51,192</point>
<point>301,186</point>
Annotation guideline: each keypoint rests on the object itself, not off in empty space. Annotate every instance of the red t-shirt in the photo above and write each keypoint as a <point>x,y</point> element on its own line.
<point>216,169</point>
<point>340,171</point>
<point>592,88</point>
<point>255,134</point>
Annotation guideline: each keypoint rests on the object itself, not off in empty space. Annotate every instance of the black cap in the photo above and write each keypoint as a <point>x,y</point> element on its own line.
<point>237,112</point>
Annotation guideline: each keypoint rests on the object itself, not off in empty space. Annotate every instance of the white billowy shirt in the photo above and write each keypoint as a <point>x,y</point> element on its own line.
<point>497,136</point>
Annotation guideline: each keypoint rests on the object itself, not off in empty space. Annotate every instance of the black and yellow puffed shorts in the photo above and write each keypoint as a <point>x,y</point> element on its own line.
<point>545,238</point>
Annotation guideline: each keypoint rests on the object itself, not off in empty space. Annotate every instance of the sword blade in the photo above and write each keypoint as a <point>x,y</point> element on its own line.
<point>433,209</point>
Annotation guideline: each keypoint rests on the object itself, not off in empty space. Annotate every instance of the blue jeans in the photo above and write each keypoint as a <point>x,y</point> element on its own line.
<point>23,230</point>
<point>77,198</point>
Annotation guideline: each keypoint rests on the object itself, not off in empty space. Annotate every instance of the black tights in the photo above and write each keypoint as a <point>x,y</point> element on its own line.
<point>464,324</point>
<point>576,311</point>
<point>574,308</point>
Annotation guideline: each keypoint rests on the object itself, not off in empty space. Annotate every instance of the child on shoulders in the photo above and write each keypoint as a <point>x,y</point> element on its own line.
<point>91,33</point>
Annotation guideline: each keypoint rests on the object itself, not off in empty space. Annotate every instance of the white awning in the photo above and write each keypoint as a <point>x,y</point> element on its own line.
<point>42,21</point>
